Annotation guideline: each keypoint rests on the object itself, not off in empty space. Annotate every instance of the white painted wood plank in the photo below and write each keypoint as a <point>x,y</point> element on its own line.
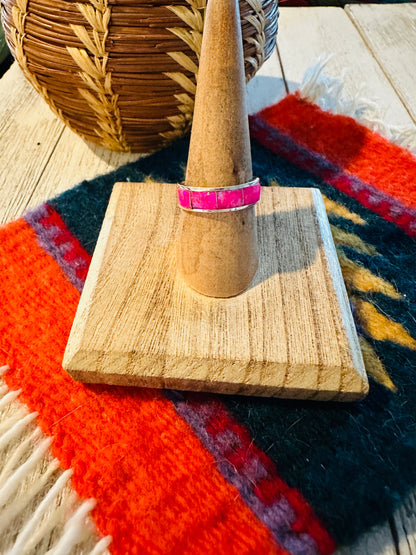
<point>405,524</point>
<point>74,160</point>
<point>389,30</point>
<point>267,87</point>
<point>329,31</point>
<point>28,134</point>
<point>40,156</point>
<point>307,33</point>
<point>378,541</point>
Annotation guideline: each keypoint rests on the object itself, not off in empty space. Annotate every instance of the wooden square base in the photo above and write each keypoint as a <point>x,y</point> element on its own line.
<point>291,334</point>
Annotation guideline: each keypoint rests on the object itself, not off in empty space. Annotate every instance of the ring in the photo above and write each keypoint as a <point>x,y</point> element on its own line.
<point>219,199</point>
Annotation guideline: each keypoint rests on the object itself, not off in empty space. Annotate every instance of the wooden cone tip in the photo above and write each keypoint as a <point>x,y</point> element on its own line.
<point>219,153</point>
<point>217,255</point>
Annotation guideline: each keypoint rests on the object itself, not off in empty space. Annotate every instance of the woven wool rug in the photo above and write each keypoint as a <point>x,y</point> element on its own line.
<point>92,469</point>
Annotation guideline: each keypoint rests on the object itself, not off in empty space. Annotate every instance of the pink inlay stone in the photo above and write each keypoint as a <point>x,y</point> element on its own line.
<point>230,199</point>
<point>205,200</point>
<point>252,194</point>
<point>184,198</point>
<point>220,199</point>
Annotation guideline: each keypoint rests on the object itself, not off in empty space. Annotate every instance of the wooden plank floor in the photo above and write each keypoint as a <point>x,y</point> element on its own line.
<point>334,31</point>
<point>374,44</point>
<point>40,157</point>
<point>329,31</point>
<point>390,34</point>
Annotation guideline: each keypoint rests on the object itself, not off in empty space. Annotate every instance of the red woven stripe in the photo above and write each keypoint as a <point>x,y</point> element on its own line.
<point>348,144</point>
<point>221,421</point>
<point>271,488</point>
<point>158,490</point>
<point>65,237</point>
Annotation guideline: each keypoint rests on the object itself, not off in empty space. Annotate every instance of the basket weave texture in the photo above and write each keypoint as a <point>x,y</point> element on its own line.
<point>122,73</point>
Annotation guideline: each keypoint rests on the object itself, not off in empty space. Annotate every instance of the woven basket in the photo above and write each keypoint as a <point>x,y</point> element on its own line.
<point>122,73</point>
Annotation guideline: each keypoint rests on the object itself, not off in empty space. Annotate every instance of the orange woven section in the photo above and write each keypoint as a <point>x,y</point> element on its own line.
<point>157,489</point>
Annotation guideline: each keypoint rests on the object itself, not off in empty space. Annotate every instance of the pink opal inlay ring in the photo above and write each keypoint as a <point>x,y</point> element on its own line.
<point>219,199</point>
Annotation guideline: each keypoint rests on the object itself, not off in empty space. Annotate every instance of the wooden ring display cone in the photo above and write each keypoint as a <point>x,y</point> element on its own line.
<point>284,331</point>
<point>217,252</point>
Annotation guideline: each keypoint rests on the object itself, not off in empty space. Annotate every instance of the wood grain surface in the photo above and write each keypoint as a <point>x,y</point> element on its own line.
<point>66,159</point>
<point>29,133</point>
<point>40,157</point>
<point>217,253</point>
<point>123,73</point>
<point>329,31</point>
<point>394,50</point>
<point>291,334</point>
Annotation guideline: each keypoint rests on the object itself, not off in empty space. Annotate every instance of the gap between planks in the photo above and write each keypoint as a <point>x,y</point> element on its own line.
<point>28,134</point>
<point>56,176</point>
<point>328,31</point>
<point>394,51</point>
<point>43,157</point>
<point>54,158</point>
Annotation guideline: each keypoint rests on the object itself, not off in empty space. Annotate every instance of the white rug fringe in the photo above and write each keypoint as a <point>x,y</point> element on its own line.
<point>17,429</point>
<point>101,546</point>
<point>3,369</point>
<point>73,529</point>
<point>39,511</point>
<point>18,505</point>
<point>22,472</point>
<point>328,93</point>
